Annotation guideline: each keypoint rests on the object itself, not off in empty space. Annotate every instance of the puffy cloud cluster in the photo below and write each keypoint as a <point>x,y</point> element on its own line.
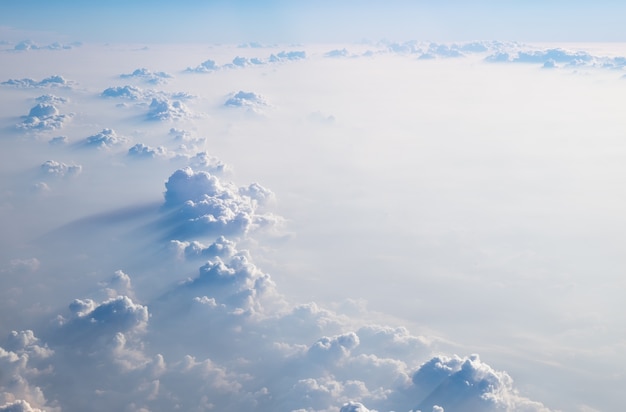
<point>238,62</point>
<point>31,45</point>
<point>467,384</point>
<point>161,105</point>
<point>59,169</point>
<point>434,50</point>
<point>249,100</point>
<point>127,92</point>
<point>143,151</point>
<point>105,139</point>
<point>51,99</point>
<point>44,116</point>
<point>24,360</point>
<point>337,53</point>
<point>205,161</point>
<point>206,66</point>
<point>148,76</point>
<point>165,109</point>
<point>200,203</point>
<point>548,56</point>
<point>52,81</point>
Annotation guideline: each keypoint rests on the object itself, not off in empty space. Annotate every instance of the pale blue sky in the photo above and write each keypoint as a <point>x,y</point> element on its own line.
<point>324,21</point>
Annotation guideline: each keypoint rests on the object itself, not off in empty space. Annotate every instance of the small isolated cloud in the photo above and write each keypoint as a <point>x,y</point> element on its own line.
<point>287,56</point>
<point>58,141</point>
<point>57,169</point>
<point>127,92</point>
<point>44,116</point>
<point>165,109</point>
<point>51,99</point>
<point>202,204</point>
<point>142,151</point>
<point>148,76</point>
<point>244,62</point>
<point>249,100</point>
<point>52,81</point>
<point>31,45</point>
<point>337,53</point>
<point>105,139</point>
<point>206,66</point>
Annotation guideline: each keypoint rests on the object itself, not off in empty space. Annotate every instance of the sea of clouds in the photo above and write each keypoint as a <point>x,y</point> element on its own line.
<point>374,227</point>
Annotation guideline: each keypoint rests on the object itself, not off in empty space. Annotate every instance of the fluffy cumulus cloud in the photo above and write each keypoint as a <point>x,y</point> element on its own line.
<point>249,100</point>
<point>127,92</point>
<point>165,109</point>
<point>227,339</point>
<point>107,138</point>
<point>148,76</point>
<point>467,384</point>
<point>52,81</point>
<point>44,116</point>
<point>59,169</point>
<point>200,203</point>
<point>143,151</point>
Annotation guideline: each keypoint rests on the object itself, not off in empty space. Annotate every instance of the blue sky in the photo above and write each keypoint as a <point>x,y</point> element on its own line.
<point>325,21</point>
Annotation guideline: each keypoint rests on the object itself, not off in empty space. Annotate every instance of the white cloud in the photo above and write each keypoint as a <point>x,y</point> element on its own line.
<point>164,109</point>
<point>148,76</point>
<point>140,150</point>
<point>44,116</point>
<point>52,81</point>
<point>206,66</point>
<point>59,169</point>
<point>105,139</point>
<point>128,92</point>
<point>201,204</point>
<point>249,100</point>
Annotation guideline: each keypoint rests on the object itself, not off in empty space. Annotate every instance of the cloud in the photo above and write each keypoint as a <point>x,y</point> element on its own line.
<point>142,151</point>
<point>547,57</point>
<point>206,66</point>
<point>249,100</point>
<point>107,138</point>
<point>148,76</point>
<point>58,169</point>
<point>51,99</point>
<point>58,141</point>
<point>468,384</point>
<point>200,203</point>
<point>293,55</point>
<point>167,110</point>
<point>52,81</point>
<point>239,62</point>
<point>127,92</point>
<point>337,53</point>
<point>26,45</point>
<point>44,116</point>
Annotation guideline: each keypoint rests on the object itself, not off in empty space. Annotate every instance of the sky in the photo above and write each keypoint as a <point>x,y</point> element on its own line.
<point>320,21</point>
<point>329,206</point>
